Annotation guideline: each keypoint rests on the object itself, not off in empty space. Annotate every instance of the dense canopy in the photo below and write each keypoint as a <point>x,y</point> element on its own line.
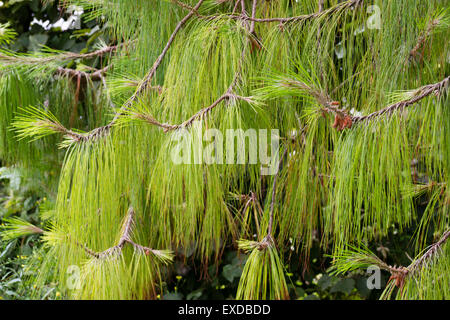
<point>352,97</point>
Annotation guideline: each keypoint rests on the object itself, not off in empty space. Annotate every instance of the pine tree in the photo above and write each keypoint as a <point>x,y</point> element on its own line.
<point>357,89</point>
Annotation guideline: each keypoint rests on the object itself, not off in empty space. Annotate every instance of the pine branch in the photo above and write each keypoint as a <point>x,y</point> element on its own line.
<point>144,84</point>
<point>16,227</point>
<point>104,130</point>
<point>400,275</point>
<point>125,238</point>
<point>357,258</point>
<point>418,94</point>
<point>251,201</point>
<point>244,13</point>
<point>431,253</point>
<point>254,39</point>
<point>228,95</point>
<point>343,119</point>
<point>10,58</point>
<point>263,274</point>
<point>96,133</point>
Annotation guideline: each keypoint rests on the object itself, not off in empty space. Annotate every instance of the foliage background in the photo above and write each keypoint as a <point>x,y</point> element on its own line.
<point>23,194</point>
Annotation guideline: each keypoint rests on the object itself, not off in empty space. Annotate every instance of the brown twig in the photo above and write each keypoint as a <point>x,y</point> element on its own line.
<point>244,13</point>
<point>187,7</point>
<point>96,53</point>
<point>236,4</point>
<point>252,24</point>
<point>93,76</point>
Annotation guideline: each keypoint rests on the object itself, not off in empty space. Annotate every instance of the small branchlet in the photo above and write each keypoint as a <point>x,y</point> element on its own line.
<point>164,256</point>
<point>96,75</point>
<point>8,58</point>
<point>37,123</point>
<point>357,258</point>
<point>16,228</point>
<point>344,120</point>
